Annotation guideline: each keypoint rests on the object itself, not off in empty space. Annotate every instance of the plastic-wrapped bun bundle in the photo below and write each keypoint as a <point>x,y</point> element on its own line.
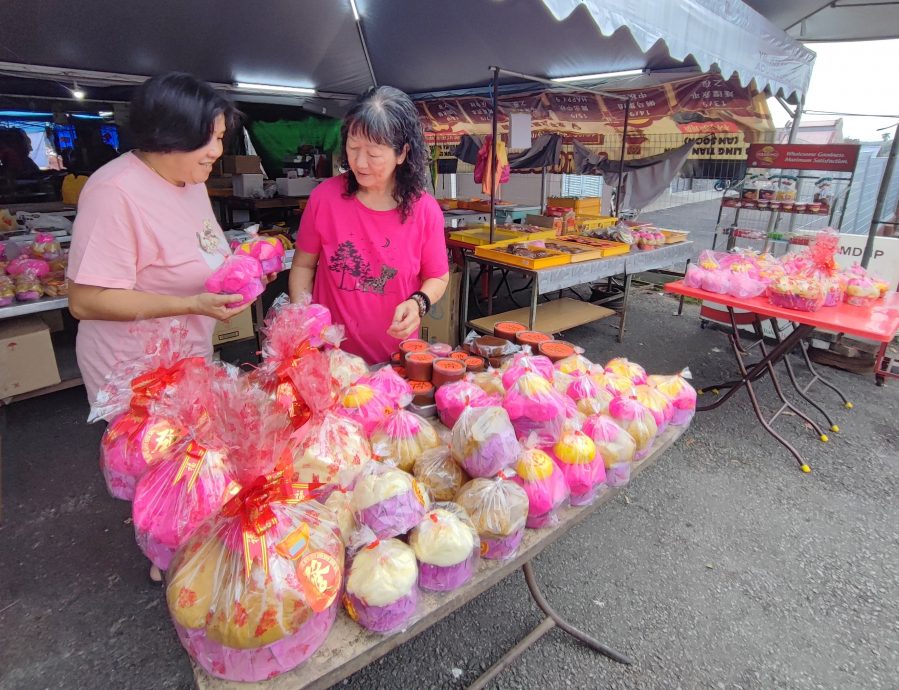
<point>544,484</point>
<point>615,384</point>
<point>589,396</point>
<point>447,546</point>
<point>656,402</point>
<point>615,445</point>
<point>382,586</point>
<point>389,384</point>
<point>439,473</point>
<point>638,421</point>
<point>137,436</point>
<point>524,362</point>
<point>7,291</point>
<point>254,591</point>
<point>388,501</point>
<point>583,468</point>
<point>535,406</point>
<point>624,367</point>
<point>365,405</point>
<point>402,438</point>
<point>573,365</point>
<point>484,441</point>
<point>680,392</point>
<point>239,275</point>
<point>453,398</point>
<point>346,369</point>
<point>267,250</point>
<point>330,449</point>
<point>490,381</point>
<point>498,509</point>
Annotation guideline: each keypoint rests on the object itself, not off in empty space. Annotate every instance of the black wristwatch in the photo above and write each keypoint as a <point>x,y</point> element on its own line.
<point>423,301</point>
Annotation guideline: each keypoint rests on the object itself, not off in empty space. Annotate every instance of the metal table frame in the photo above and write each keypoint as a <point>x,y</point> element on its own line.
<point>350,648</point>
<point>558,278</point>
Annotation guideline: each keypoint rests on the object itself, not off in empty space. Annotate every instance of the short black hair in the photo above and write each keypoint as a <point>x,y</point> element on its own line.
<point>176,112</point>
<point>387,116</point>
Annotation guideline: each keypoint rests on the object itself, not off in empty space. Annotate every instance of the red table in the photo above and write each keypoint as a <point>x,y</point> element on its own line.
<point>879,323</point>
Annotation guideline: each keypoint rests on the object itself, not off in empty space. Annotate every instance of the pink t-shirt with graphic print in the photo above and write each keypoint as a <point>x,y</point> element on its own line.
<point>135,231</point>
<point>369,262</point>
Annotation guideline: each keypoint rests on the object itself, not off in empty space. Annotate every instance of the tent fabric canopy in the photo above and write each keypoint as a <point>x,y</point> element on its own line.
<point>826,20</point>
<point>415,46</point>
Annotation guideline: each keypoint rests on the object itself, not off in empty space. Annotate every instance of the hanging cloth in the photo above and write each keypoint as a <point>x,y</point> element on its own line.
<point>483,169</point>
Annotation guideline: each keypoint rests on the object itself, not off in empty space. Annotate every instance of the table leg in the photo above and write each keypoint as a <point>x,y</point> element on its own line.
<point>466,277</point>
<point>803,392</point>
<point>786,404</point>
<point>814,371</point>
<point>552,620</point>
<point>765,366</point>
<point>680,303</point>
<point>535,296</point>
<point>622,319</point>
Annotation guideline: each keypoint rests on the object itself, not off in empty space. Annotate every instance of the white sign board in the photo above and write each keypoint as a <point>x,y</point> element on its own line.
<point>884,260</point>
<point>520,131</point>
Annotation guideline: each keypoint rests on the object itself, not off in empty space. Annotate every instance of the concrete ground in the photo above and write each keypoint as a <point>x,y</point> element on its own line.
<point>721,567</point>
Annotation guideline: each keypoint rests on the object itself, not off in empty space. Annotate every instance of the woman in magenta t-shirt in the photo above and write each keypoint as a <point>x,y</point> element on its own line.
<point>145,238</point>
<point>371,246</point>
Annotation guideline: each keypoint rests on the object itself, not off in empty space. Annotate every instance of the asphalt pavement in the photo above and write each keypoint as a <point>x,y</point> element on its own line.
<point>723,566</point>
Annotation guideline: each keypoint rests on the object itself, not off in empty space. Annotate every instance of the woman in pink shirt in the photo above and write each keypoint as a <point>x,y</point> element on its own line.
<point>145,238</point>
<point>371,246</point>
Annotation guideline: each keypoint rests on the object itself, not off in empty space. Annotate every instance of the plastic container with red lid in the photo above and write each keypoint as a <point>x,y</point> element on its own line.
<point>460,355</point>
<point>475,364</point>
<point>419,366</point>
<point>441,349</point>
<point>532,338</point>
<point>507,329</point>
<point>413,345</point>
<point>422,392</point>
<point>491,346</point>
<point>556,350</point>
<point>447,370</point>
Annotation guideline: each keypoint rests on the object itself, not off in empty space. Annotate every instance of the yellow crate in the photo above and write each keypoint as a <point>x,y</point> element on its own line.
<point>495,252</point>
<point>588,223</point>
<point>583,206</point>
<point>481,235</point>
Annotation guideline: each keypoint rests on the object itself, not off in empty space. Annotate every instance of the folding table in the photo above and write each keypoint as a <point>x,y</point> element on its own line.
<point>879,322</point>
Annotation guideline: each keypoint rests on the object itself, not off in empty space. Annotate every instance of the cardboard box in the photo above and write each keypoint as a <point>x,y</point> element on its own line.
<point>247,185</point>
<point>239,165</point>
<point>296,186</point>
<point>583,206</point>
<point>27,361</point>
<point>240,328</point>
<point>441,324</point>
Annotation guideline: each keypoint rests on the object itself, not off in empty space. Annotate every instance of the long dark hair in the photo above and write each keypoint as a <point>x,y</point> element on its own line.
<point>387,116</point>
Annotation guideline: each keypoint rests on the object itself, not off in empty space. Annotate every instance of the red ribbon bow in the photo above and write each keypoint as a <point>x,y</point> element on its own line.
<point>148,387</point>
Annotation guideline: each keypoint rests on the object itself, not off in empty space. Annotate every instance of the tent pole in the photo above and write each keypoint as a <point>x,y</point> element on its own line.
<point>794,130</point>
<point>495,176</point>
<point>881,200</point>
<point>627,115</point>
<point>543,189</point>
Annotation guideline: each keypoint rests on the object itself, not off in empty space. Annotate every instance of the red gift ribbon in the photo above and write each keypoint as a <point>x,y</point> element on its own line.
<point>191,464</point>
<point>253,505</point>
<point>149,386</point>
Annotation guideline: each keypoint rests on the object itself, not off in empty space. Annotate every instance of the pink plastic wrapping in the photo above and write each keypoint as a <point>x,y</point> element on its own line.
<point>28,287</point>
<point>861,291</point>
<point>588,395</point>
<point>388,501</point>
<point>453,398</point>
<point>524,362</point>
<point>613,383</point>
<point>801,294</point>
<point>616,447</point>
<point>24,264</point>
<point>743,286</point>
<point>254,592</point>
<point>239,275</point>
<point>490,381</point>
<point>638,421</point>
<point>391,385</point>
<point>498,509</point>
<point>576,364</point>
<point>403,437</point>
<point>544,484</point>
<point>268,251</point>
<point>437,472</point>
<point>364,404</point>
<point>694,276</point>
<point>680,392</point>
<point>346,369</point>
<point>46,247</point>
<point>484,441</point>
<point>535,406</point>
<point>582,466</point>
<point>627,369</point>
<point>656,402</point>
<point>447,547</point>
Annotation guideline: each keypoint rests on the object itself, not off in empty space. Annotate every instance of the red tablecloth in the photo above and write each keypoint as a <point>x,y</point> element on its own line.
<point>879,322</point>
